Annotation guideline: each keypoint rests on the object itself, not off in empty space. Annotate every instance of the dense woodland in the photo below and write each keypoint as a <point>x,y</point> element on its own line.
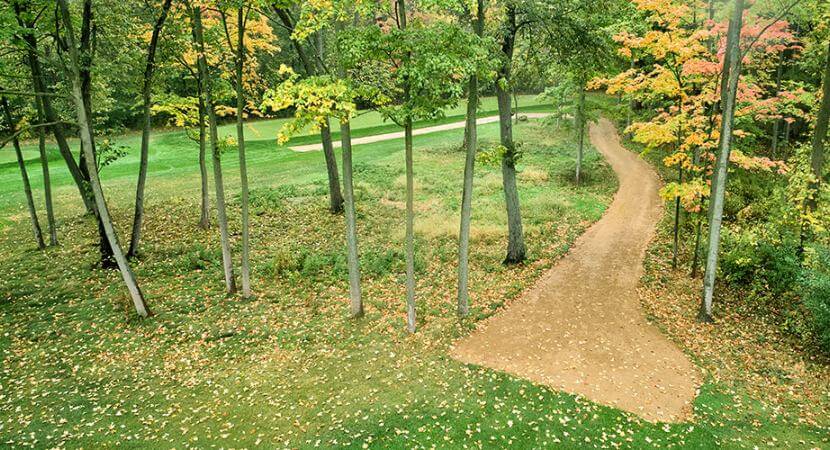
<point>246,241</point>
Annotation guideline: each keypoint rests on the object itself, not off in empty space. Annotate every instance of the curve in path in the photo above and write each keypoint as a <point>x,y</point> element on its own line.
<point>580,328</point>
<point>415,132</point>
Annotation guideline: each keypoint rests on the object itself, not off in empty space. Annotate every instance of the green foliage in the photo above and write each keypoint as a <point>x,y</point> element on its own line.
<point>816,292</point>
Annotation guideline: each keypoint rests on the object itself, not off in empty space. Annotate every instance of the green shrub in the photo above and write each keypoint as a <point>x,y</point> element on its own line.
<point>759,260</point>
<point>200,258</point>
<point>815,284</point>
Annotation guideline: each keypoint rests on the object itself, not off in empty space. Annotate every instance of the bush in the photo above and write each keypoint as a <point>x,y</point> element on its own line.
<point>815,284</point>
<point>759,259</point>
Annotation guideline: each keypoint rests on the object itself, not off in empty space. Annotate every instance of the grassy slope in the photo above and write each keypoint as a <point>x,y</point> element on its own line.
<point>287,369</point>
<point>173,156</point>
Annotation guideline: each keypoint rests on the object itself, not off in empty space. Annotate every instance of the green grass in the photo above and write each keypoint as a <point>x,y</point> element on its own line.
<point>287,368</point>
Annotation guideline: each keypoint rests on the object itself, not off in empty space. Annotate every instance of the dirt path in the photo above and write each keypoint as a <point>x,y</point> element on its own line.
<point>580,328</point>
<point>415,132</point>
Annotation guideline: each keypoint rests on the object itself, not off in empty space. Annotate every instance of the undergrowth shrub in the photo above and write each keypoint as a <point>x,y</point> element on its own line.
<point>815,287</point>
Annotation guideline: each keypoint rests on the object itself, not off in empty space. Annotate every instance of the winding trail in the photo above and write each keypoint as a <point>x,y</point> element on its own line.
<point>415,132</point>
<point>580,328</point>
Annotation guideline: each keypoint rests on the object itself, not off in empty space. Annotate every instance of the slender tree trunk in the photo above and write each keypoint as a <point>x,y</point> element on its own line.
<point>721,172</point>
<point>776,125</point>
<point>243,165</point>
<point>580,117</point>
<point>204,220</point>
<point>786,133</point>
<point>515,243</point>
<point>27,188</point>
<point>471,145</point>
<point>146,96</point>
<point>47,180</point>
<point>335,196</point>
<point>86,145</point>
<point>351,225</point>
<point>676,243</point>
<point>696,253</point>
<point>39,85</point>
<point>819,137</point>
<point>221,213</point>
<point>515,105</point>
<point>410,189</point>
<point>628,116</point>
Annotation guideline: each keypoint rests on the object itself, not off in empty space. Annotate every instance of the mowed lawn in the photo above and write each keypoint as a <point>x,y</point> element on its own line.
<point>288,369</point>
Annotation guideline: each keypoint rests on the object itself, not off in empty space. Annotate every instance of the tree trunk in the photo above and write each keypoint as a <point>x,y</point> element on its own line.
<point>776,125</point>
<point>351,225</point>
<point>471,145</point>
<point>819,137</point>
<point>410,190</point>
<point>721,167</point>
<point>221,213</point>
<point>21,164</point>
<point>676,230</point>
<point>146,95</point>
<point>204,220</point>
<point>335,196</point>
<point>47,180</point>
<point>86,145</point>
<point>580,126</point>
<point>515,241</point>
<point>39,85</point>
<point>696,253</point>
<point>243,165</point>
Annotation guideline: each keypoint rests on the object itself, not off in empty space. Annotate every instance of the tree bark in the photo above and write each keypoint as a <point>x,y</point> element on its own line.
<point>515,242</point>
<point>146,96</point>
<point>47,180</point>
<point>721,167</point>
<point>351,225</point>
<point>410,189</point>
<point>221,213</point>
<point>819,138</point>
<point>27,187</point>
<point>204,219</point>
<point>335,196</point>
<point>86,146</point>
<point>471,145</point>
<point>39,85</point>
<point>243,165</point>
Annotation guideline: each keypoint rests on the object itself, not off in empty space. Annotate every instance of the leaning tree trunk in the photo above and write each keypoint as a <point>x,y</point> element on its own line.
<point>95,184</point>
<point>515,240</point>
<point>243,164</point>
<point>204,219</point>
<point>146,96</point>
<point>335,195</point>
<point>47,179</point>
<point>722,164</point>
<point>221,213</point>
<point>39,85</point>
<point>27,188</point>
<point>351,225</point>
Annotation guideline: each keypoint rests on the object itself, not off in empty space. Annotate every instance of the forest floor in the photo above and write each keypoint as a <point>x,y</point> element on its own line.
<point>581,328</point>
<point>288,369</point>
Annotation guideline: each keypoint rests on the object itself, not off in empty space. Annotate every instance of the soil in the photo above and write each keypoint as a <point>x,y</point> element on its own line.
<point>581,328</point>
